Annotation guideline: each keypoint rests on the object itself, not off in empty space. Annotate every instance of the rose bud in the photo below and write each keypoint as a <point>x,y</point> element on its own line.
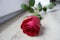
<point>31,26</point>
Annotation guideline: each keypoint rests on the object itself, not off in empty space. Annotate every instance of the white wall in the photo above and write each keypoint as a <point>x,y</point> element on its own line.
<point>9,6</point>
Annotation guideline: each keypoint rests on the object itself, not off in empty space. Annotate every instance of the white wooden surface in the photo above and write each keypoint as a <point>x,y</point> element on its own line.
<point>50,31</point>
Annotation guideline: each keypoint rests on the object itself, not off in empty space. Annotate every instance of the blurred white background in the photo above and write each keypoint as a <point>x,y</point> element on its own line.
<point>9,6</point>
<point>43,2</point>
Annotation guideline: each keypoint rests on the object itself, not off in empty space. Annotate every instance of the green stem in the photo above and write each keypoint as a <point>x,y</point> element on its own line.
<point>35,12</point>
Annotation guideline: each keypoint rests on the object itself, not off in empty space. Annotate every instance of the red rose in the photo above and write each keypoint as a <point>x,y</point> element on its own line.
<point>31,25</point>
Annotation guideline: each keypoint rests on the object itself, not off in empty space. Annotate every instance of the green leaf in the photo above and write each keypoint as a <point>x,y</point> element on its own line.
<point>40,17</point>
<point>24,7</point>
<point>31,10</point>
<point>44,9</point>
<point>31,3</point>
<point>52,5</point>
<point>39,6</point>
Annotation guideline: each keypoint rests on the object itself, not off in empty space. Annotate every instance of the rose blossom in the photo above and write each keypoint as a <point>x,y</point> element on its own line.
<point>31,25</point>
